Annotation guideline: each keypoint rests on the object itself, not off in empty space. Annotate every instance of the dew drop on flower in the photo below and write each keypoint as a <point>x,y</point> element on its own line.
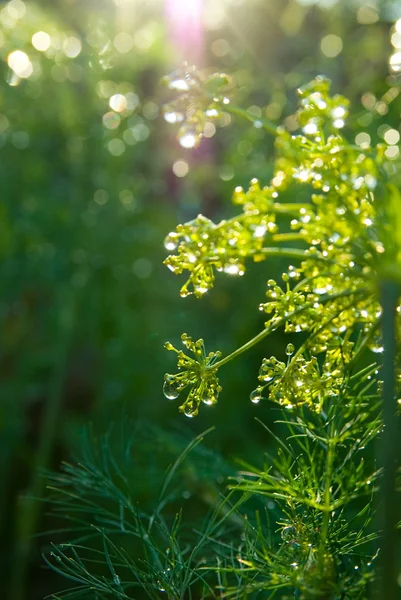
<point>231,269</point>
<point>208,400</point>
<point>255,397</point>
<point>339,123</point>
<point>260,231</point>
<point>190,409</point>
<point>338,112</point>
<point>171,389</point>
<point>198,289</point>
<point>171,241</point>
<point>310,128</point>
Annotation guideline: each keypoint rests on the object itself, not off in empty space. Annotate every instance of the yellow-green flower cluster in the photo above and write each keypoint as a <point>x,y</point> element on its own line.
<point>195,372</point>
<point>200,98</point>
<point>304,380</point>
<point>203,246</point>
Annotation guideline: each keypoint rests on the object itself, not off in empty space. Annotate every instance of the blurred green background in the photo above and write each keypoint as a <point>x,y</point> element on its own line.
<point>91,181</point>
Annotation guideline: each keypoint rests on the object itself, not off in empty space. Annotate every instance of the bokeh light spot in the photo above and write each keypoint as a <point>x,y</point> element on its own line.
<point>118,102</point>
<point>209,129</point>
<point>188,140</point>
<point>4,123</point>
<point>111,120</point>
<point>391,136</point>
<point>331,45</point>
<point>367,15</point>
<point>180,168</point>
<point>101,197</point>
<point>392,152</point>
<point>20,140</point>
<point>16,9</point>
<point>226,172</point>
<point>220,47</point>
<point>106,88</point>
<point>72,47</point>
<point>395,62</point>
<point>19,62</point>
<point>140,132</point>
<point>123,42</point>
<point>41,41</point>
<point>116,147</point>
<point>142,268</point>
<point>363,140</point>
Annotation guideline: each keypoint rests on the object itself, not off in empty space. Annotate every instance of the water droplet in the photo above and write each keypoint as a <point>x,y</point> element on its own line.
<point>232,269</point>
<point>260,231</point>
<point>290,349</point>
<point>338,112</point>
<point>171,241</point>
<point>310,128</point>
<point>200,289</point>
<point>190,409</point>
<point>208,398</point>
<point>171,388</point>
<point>255,396</point>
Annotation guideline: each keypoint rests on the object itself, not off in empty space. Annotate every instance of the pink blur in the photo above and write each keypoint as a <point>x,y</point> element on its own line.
<point>184,19</point>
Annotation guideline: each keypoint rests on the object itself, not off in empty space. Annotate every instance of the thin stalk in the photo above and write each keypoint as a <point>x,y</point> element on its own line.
<point>388,451</point>
<point>28,513</point>
<point>294,253</point>
<point>328,475</point>
<point>286,237</point>
<point>285,252</point>
<point>260,336</point>
<point>261,122</point>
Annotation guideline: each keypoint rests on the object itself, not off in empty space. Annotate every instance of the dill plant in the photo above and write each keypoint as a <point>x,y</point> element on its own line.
<point>303,525</point>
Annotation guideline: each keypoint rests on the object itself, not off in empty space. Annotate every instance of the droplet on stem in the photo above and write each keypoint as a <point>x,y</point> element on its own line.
<point>290,349</point>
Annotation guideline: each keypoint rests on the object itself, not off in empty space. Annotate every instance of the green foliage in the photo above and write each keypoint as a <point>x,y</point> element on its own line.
<point>302,525</point>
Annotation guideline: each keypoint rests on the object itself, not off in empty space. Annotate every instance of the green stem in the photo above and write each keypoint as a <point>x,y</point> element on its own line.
<point>241,112</point>
<point>260,336</point>
<point>363,345</point>
<point>290,207</point>
<point>285,252</point>
<point>388,451</point>
<point>327,498</point>
<point>286,237</point>
<point>28,513</point>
